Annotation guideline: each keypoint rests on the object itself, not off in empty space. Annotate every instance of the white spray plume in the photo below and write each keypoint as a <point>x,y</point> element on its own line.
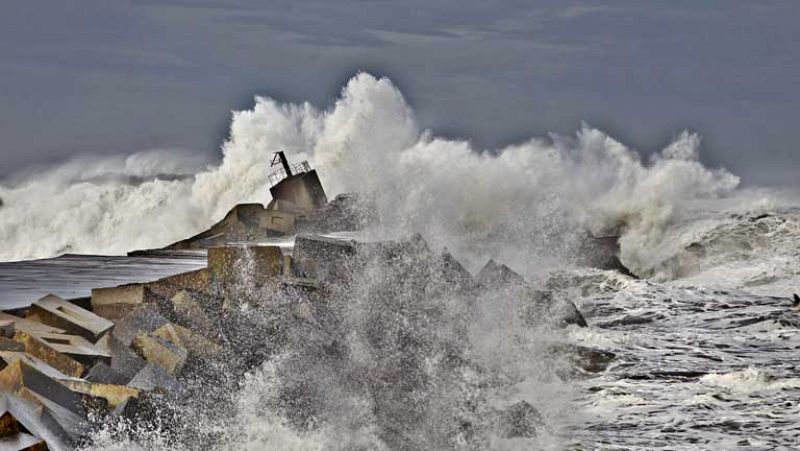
<point>508,204</point>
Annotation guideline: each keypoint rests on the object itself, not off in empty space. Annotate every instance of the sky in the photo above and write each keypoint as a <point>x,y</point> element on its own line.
<point>115,77</point>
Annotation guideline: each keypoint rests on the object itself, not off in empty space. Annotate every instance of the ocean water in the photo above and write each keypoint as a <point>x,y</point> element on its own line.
<point>705,339</point>
<point>707,359</point>
<point>74,276</point>
<point>701,361</point>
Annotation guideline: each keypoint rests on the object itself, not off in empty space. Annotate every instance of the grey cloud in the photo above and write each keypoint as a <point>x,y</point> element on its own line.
<point>93,76</point>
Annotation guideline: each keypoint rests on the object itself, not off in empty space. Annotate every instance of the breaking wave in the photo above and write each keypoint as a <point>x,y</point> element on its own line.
<point>396,360</point>
<point>504,203</point>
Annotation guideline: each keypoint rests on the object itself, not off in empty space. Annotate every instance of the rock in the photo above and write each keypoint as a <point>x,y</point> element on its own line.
<point>160,351</point>
<point>232,267</point>
<point>56,312</point>
<point>154,378</point>
<point>537,306</point>
<point>590,360</point>
<point>602,252</point>
<point>563,312</point>
<point>498,275</point>
<point>540,306</point>
<point>347,211</point>
<point>520,420</point>
<point>454,272</point>
<point>124,361</point>
<point>116,302</point>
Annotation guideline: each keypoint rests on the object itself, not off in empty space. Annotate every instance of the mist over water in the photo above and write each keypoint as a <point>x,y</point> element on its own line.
<point>509,203</point>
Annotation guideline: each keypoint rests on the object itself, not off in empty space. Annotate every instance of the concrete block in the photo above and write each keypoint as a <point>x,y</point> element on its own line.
<point>9,357</point>
<point>497,275</point>
<point>189,311</point>
<point>69,354</point>
<point>8,425</point>
<point>144,319</point>
<point>14,435</point>
<point>7,344</point>
<point>19,375</point>
<point>82,302</point>
<point>124,361</point>
<point>236,265</point>
<point>102,373</point>
<point>56,312</point>
<point>188,340</point>
<point>27,325</point>
<point>115,302</point>
<point>279,222</point>
<point>520,420</point>
<point>112,393</point>
<point>58,422</point>
<point>154,378</point>
<point>454,273</point>
<point>33,417</point>
<point>6,328</point>
<point>323,258</point>
<point>304,190</point>
<point>161,352</point>
<point>168,287</point>
<point>22,441</point>
<point>44,352</point>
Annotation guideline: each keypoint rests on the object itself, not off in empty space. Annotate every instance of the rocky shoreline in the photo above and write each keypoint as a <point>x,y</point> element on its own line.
<point>143,352</point>
<point>341,323</point>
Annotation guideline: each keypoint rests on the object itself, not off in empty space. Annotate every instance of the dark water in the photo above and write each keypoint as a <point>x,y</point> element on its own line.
<point>696,368</point>
<point>71,276</point>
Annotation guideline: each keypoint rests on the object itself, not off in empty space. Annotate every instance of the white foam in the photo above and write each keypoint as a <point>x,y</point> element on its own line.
<point>750,380</point>
<point>507,203</point>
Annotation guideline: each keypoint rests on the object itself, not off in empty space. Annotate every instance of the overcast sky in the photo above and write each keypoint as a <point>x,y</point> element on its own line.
<point>106,76</point>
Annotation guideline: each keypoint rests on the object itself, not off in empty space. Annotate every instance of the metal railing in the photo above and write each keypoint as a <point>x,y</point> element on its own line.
<point>279,174</point>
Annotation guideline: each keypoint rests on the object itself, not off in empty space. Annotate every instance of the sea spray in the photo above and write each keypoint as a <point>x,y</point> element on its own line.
<point>535,198</point>
<point>397,349</point>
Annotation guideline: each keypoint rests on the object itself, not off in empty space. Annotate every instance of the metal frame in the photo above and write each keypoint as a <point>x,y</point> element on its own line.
<point>278,175</point>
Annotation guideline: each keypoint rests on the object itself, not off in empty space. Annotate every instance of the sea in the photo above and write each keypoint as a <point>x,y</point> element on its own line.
<point>704,333</point>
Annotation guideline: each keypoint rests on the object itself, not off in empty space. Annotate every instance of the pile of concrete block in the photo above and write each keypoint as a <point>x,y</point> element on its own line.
<point>61,363</point>
<point>68,365</point>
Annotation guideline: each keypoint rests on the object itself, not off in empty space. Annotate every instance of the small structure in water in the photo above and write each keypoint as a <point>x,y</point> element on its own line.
<point>295,186</point>
<point>297,194</point>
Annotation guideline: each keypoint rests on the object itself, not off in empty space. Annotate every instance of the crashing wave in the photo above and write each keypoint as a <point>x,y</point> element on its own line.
<point>509,203</point>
